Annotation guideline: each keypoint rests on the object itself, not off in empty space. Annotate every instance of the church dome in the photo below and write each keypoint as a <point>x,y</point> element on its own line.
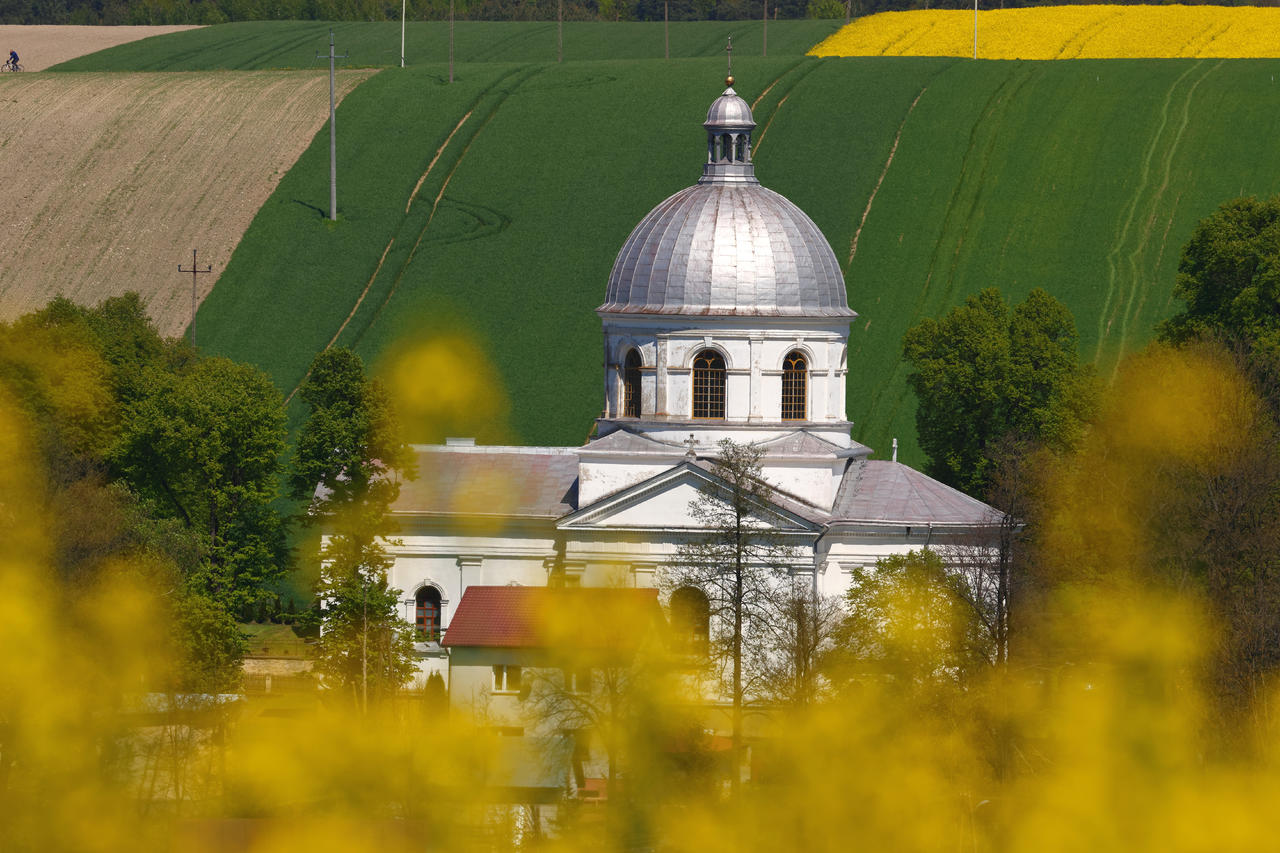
<point>729,111</point>
<point>727,246</point>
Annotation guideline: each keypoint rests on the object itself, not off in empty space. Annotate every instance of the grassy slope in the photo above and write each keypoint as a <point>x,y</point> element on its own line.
<point>294,44</point>
<point>1084,178</point>
<point>1081,177</point>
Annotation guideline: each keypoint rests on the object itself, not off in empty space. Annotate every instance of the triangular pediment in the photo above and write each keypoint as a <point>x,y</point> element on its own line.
<point>663,501</point>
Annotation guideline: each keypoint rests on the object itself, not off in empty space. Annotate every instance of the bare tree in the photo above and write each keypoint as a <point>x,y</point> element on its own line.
<point>742,564</point>
<point>799,636</point>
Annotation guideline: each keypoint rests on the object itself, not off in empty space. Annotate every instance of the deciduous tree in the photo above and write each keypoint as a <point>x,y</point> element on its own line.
<point>348,463</point>
<point>743,566</point>
<point>983,373</point>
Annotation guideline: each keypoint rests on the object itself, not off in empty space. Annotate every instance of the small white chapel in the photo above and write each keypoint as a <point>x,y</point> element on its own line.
<point>725,316</point>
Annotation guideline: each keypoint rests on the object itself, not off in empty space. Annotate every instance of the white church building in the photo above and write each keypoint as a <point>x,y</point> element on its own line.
<point>725,316</point>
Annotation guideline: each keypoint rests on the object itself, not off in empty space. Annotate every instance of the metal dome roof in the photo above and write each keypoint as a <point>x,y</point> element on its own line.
<point>729,111</point>
<point>727,249</point>
<point>727,246</point>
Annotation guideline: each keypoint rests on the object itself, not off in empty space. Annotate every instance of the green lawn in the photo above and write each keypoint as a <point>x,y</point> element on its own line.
<point>294,44</point>
<point>1081,177</point>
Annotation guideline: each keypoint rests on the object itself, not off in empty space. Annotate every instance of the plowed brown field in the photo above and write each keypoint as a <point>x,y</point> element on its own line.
<point>44,45</point>
<point>110,180</point>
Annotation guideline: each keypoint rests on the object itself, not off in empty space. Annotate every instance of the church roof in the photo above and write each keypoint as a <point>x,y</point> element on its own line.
<point>603,618</point>
<point>538,482</point>
<point>627,442</point>
<point>727,250</point>
<point>804,443</point>
<point>879,491</point>
<point>727,246</point>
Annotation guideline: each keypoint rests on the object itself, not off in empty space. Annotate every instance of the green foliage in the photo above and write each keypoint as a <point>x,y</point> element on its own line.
<point>1229,284</point>
<point>210,645</point>
<point>81,376</point>
<point>204,446</point>
<point>983,374</point>
<point>825,9</point>
<point>350,447</point>
<point>350,444</point>
<point>908,618</point>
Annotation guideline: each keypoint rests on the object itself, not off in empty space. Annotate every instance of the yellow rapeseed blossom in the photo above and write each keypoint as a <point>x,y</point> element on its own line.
<point>1065,32</point>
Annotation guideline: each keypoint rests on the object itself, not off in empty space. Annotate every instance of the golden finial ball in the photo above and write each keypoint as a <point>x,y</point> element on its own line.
<point>728,81</point>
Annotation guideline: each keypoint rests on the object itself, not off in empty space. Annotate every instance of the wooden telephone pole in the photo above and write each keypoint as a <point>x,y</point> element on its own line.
<point>195,271</point>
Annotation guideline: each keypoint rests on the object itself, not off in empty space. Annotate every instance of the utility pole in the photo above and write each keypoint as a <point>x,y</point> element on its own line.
<point>975,29</point>
<point>195,271</point>
<point>402,10</point>
<point>666,30</point>
<point>766,28</point>
<point>560,31</point>
<point>450,41</point>
<point>333,134</point>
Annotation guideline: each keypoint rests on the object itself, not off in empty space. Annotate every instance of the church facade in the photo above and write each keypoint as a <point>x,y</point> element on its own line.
<point>725,317</point>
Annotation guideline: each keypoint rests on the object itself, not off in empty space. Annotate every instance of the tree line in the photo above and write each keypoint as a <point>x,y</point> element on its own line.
<point>158,460</point>
<point>205,12</point>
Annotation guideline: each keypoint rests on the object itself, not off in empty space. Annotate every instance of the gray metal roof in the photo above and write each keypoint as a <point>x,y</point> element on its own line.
<point>727,249</point>
<point>729,112</point>
<point>727,246</point>
<point>536,482</point>
<point>875,490</point>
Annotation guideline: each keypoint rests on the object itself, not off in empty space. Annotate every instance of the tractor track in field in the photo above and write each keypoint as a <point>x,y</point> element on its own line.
<point>505,92</point>
<point>793,79</point>
<point>355,308</point>
<point>1120,300</point>
<point>893,149</point>
<point>982,138</point>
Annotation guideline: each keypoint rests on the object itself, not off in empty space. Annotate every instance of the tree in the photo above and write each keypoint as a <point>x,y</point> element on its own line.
<point>348,462</point>
<point>73,372</point>
<point>741,564</point>
<point>799,635</point>
<point>983,373</point>
<point>909,619</point>
<point>1229,281</point>
<point>204,446</point>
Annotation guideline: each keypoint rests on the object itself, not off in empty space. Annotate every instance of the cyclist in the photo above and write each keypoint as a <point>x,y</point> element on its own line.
<point>13,60</point>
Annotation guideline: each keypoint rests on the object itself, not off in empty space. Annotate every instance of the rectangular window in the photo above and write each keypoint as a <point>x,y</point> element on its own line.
<point>577,680</point>
<point>506,679</point>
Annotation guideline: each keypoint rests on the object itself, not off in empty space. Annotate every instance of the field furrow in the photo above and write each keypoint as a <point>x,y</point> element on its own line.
<point>112,180</point>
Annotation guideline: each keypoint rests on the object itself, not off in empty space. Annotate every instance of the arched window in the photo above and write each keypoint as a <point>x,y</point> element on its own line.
<point>631,385</point>
<point>690,621</point>
<point>708,385</point>
<point>427,613</point>
<point>726,147</point>
<point>795,386</point>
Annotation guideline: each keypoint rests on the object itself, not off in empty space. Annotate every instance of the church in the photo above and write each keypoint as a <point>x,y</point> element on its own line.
<point>725,317</point>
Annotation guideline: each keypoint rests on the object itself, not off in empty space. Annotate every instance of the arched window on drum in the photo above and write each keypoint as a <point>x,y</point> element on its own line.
<point>708,385</point>
<point>426,616</point>
<point>795,387</point>
<point>690,621</point>
<point>631,385</point>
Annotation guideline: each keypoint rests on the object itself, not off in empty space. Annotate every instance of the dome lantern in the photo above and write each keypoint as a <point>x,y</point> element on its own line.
<point>729,125</point>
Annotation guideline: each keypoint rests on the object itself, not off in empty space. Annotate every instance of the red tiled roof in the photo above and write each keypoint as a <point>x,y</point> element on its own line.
<point>539,617</point>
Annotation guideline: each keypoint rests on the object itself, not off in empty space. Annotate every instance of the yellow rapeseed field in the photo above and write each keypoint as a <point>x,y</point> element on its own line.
<point>1065,32</point>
